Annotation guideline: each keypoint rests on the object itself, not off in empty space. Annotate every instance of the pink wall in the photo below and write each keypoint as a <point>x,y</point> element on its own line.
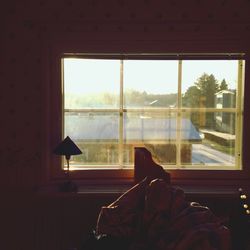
<point>31,28</point>
<point>30,32</point>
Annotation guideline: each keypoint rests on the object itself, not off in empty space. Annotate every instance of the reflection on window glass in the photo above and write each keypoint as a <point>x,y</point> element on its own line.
<point>202,80</point>
<point>90,83</point>
<point>188,113</point>
<point>96,134</point>
<point>149,126</point>
<point>150,83</point>
<point>215,143</point>
<point>154,130</point>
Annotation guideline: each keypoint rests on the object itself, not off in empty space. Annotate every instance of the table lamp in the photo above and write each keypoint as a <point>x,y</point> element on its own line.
<point>67,148</point>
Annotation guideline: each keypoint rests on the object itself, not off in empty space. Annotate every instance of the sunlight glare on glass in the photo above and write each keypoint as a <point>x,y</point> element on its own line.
<point>90,76</point>
<point>221,69</point>
<point>151,76</point>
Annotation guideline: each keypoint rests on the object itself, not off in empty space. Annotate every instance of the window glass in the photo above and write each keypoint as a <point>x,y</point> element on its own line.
<point>91,83</point>
<point>154,130</point>
<point>212,139</point>
<point>97,134</point>
<point>150,83</point>
<point>188,113</point>
<point>203,79</point>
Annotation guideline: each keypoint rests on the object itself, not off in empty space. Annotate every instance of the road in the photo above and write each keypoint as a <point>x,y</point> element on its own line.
<point>207,155</point>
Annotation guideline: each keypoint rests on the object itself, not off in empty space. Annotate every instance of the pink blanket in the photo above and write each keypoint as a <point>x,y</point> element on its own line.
<point>157,216</point>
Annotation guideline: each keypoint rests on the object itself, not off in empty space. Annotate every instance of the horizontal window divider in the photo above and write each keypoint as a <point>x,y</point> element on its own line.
<point>98,166</point>
<point>158,56</point>
<point>203,110</point>
<point>91,110</point>
<point>126,142</point>
<point>105,141</point>
<point>200,167</point>
<point>162,110</point>
<point>125,167</point>
<point>155,141</point>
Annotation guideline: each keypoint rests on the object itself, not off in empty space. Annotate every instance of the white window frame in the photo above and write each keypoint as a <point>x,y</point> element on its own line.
<point>177,175</point>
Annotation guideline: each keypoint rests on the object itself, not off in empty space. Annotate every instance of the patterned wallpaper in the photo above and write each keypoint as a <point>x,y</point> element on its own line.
<point>26,24</point>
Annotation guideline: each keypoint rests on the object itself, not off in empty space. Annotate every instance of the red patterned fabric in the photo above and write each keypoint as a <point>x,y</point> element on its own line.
<point>121,217</point>
<point>157,216</point>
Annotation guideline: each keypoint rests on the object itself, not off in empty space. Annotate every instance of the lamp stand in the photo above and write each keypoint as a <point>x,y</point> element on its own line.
<point>68,185</point>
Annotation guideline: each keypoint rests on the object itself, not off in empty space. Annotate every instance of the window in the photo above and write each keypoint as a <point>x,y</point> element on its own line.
<point>187,112</point>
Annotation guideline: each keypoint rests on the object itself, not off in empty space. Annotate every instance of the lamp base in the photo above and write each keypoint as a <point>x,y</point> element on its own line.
<point>68,186</point>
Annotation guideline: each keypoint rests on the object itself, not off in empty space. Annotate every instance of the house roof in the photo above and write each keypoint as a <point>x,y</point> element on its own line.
<point>143,128</point>
<point>225,91</point>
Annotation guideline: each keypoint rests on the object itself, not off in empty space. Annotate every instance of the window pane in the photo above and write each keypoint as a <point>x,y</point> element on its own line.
<point>215,144</point>
<point>204,80</point>
<point>96,134</point>
<point>153,130</point>
<point>185,135</point>
<point>150,83</point>
<point>91,83</point>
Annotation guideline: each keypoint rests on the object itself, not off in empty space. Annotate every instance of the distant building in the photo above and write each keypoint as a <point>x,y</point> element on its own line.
<point>225,121</point>
<point>156,133</point>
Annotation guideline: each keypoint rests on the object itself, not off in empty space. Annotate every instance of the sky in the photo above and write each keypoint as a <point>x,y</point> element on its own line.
<point>90,76</point>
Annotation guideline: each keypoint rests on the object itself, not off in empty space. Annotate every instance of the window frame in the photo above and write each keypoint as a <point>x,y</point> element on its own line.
<point>178,111</point>
<point>178,176</point>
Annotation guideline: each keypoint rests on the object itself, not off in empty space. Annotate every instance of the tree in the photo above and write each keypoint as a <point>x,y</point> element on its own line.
<point>223,85</point>
<point>191,97</point>
<point>208,86</point>
<point>202,94</point>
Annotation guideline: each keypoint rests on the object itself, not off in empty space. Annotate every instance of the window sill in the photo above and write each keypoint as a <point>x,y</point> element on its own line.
<point>192,191</point>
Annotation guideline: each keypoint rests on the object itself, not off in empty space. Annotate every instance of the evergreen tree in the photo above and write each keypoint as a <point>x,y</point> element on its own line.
<point>208,86</point>
<point>202,95</point>
<point>191,97</point>
<point>223,85</point>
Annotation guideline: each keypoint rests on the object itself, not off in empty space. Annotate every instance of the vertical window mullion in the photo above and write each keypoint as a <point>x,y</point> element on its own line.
<point>63,106</point>
<point>179,116</point>
<point>63,98</point>
<point>121,117</point>
<point>238,125</point>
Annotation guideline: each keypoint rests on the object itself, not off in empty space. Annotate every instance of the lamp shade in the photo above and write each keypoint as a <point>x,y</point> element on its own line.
<point>67,147</point>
